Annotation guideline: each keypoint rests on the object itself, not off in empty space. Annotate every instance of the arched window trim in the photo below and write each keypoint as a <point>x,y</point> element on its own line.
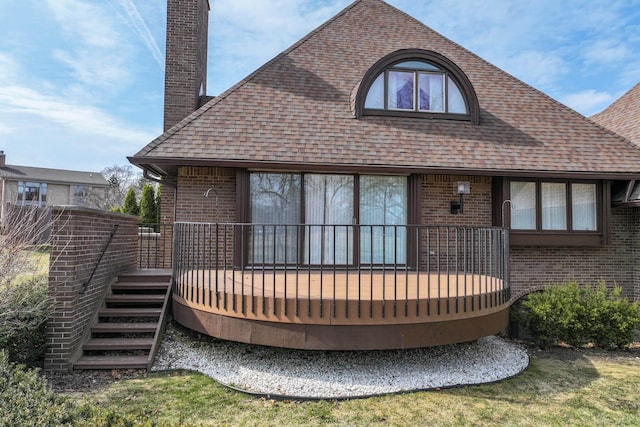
<point>444,63</point>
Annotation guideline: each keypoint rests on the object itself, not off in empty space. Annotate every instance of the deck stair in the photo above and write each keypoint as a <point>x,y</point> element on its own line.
<point>128,327</point>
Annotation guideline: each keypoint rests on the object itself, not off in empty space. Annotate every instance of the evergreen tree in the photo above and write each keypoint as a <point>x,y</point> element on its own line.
<point>148,211</point>
<point>158,200</point>
<point>131,203</point>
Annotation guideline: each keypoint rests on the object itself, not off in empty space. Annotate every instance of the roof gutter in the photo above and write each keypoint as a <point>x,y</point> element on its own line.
<point>155,164</point>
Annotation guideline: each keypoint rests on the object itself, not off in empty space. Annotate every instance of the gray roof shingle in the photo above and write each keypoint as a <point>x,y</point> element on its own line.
<point>61,176</point>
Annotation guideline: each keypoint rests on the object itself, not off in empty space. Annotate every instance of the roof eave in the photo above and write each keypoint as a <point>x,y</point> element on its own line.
<point>168,166</point>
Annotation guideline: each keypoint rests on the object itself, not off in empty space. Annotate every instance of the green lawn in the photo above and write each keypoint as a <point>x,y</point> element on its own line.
<point>35,264</point>
<point>562,387</point>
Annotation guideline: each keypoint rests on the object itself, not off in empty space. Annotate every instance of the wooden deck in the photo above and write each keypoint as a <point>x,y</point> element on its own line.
<point>339,309</point>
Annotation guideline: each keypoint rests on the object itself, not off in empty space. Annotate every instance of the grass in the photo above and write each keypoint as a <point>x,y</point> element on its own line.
<point>36,264</point>
<point>560,388</point>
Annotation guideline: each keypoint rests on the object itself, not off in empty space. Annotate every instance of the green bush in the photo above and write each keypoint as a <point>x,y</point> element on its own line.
<point>579,315</point>
<point>148,209</point>
<point>26,399</point>
<point>24,310</point>
<point>131,206</point>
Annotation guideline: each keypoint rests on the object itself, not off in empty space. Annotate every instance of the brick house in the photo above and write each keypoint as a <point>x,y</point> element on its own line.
<point>365,191</point>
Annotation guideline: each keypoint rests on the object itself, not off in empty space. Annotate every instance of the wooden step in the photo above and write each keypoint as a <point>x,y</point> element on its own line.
<point>124,328</point>
<point>140,286</point>
<point>150,275</point>
<point>111,344</point>
<point>135,299</point>
<point>111,362</point>
<point>130,312</point>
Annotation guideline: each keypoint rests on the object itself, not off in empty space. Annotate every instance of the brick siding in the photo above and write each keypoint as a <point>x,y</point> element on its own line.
<point>78,237</point>
<point>530,266</point>
<point>186,58</point>
<point>616,263</point>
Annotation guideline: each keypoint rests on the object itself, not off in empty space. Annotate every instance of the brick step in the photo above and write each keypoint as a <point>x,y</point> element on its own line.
<point>130,312</point>
<point>113,344</point>
<point>124,328</point>
<point>138,299</point>
<point>140,286</point>
<point>111,362</point>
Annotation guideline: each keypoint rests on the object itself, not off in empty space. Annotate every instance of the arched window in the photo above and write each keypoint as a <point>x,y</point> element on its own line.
<point>417,83</point>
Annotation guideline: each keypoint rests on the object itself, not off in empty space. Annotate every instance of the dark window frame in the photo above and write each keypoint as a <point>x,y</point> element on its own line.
<point>568,237</point>
<point>446,66</point>
<point>412,211</point>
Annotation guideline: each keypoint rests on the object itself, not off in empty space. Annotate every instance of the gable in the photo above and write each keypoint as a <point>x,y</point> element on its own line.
<point>297,111</point>
<point>623,116</point>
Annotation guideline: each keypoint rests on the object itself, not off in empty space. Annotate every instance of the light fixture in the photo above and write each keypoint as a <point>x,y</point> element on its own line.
<point>460,188</point>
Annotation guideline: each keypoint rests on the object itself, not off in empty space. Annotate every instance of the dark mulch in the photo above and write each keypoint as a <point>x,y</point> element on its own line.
<point>78,382</point>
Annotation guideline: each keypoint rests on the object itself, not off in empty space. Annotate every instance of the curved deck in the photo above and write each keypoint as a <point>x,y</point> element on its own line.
<point>341,310</point>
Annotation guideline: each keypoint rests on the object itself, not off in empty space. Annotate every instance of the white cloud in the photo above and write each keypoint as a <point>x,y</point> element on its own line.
<point>606,52</point>
<point>248,33</point>
<point>139,26</point>
<point>588,101</point>
<point>9,68</point>
<point>86,23</point>
<point>4,129</point>
<point>74,117</point>
<point>94,49</point>
<point>540,69</point>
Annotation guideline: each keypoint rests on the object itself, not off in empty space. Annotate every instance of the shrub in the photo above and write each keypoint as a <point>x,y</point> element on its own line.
<point>148,214</point>
<point>26,399</point>
<point>24,310</point>
<point>579,315</point>
<point>131,206</point>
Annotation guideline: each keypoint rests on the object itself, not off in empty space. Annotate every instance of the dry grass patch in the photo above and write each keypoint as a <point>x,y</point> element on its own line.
<point>561,387</point>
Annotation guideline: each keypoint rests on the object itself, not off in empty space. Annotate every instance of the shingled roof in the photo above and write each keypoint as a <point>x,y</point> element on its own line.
<point>58,176</point>
<point>623,116</point>
<point>297,110</point>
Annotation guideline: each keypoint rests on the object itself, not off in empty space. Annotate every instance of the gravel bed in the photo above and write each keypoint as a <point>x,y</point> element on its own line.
<point>300,374</point>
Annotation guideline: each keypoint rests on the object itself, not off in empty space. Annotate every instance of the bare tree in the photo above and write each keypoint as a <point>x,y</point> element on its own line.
<point>24,306</point>
<point>120,179</point>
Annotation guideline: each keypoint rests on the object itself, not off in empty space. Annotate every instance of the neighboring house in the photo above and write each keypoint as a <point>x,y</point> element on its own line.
<point>355,191</point>
<point>41,187</point>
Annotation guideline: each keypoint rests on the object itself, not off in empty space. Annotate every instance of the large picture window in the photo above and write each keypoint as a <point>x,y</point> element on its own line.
<point>32,193</point>
<point>309,219</point>
<point>554,206</point>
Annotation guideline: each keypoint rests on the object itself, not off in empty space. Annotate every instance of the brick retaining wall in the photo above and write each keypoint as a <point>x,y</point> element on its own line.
<point>78,236</point>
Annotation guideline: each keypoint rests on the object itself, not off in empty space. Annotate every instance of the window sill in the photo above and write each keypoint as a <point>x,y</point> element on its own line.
<point>537,238</point>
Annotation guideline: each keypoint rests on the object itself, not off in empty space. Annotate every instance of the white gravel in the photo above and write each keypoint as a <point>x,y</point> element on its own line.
<point>285,373</point>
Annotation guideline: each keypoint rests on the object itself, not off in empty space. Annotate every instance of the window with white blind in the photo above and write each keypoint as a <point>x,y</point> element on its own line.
<point>554,206</point>
<point>309,219</point>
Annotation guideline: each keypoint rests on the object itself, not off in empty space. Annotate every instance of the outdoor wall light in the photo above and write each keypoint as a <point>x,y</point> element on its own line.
<point>460,188</point>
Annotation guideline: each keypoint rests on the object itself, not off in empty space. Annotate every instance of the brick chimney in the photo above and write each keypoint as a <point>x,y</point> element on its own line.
<point>185,78</point>
<point>3,159</point>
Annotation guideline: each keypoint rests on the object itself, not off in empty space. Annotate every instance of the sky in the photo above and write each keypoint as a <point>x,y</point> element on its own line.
<point>81,81</point>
